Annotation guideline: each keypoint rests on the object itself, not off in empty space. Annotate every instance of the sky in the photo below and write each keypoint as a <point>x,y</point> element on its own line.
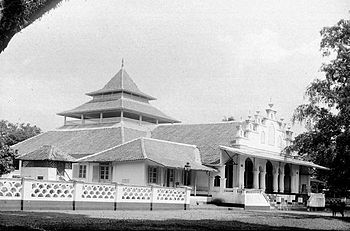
<point>202,60</point>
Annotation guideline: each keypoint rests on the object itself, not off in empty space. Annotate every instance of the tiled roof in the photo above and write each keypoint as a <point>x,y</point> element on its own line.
<point>119,104</point>
<point>121,82</point>
<point>47,152</point>
<point>165,153</point>
<point>80,142</point>
<point>207,137</point>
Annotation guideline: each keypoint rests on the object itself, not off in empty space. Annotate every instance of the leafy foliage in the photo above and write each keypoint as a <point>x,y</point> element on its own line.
<point>11,134</point>
<point>17,14</point>
<point>327,115</point>
<point>226,119</point>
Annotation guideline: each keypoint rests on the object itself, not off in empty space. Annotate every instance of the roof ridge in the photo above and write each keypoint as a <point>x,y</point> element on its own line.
<point>209,123</point>
<point>117,125</point>
<point>108,149</point>
<point>143,149</point>
<point>171,142</point>
<point>28,139</point>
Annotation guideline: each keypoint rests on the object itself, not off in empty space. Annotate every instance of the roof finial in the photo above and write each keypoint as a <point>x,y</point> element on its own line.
<point>270,104</point>
<point>122,63</point>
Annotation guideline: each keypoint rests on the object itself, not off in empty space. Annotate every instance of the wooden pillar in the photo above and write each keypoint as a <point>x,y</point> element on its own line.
<point>101,117</point>
<point>121,115</point>
<point>157,122</point>
<point>82,119</point>
<point>65,120</point>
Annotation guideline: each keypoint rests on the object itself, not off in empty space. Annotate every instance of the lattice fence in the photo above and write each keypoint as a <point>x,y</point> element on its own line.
<point>99,192</point>
<point>135,194</point>
<point>51,191</point>
<point>169,195</point>
<point>35,190</point>
<point>10,189</point>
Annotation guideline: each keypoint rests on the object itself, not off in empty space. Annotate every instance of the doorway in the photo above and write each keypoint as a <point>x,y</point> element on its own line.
<point>248,173</point>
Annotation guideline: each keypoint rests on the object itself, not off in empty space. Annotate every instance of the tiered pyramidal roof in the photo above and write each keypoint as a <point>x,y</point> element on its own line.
<point>120,97</point>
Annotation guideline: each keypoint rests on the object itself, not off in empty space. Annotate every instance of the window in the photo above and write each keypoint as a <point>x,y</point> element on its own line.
<point>153,175</point>
<point>16,164</point>
<point>40,177</point>
<point>262,138</point>
<point>82,171</point>
<point>170,178</point>
<point>104,172</point>
<point>217,181</point>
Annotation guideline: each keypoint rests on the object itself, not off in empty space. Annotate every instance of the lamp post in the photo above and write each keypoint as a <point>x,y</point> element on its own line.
<point>187,170</point>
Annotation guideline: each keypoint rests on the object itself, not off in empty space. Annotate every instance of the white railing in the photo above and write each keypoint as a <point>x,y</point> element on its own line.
<point>57,191</point>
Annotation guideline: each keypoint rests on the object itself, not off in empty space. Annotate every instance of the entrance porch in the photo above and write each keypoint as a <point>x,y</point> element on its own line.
<point>244,172</point>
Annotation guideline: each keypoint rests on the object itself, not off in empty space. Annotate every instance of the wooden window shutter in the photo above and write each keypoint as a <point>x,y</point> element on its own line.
<point>95,173</point>
<point>75,170</point>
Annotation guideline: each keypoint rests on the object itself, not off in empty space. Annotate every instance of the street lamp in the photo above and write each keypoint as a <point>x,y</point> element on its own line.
<point>187,169</point>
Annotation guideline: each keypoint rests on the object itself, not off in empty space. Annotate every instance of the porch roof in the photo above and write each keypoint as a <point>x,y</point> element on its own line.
<point>271,156</point>
<point>48,152</point>
<point>168,154</point>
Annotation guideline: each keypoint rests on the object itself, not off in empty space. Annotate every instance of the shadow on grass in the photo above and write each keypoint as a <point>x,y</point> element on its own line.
<point>22,220</point>
<point>312,216</point>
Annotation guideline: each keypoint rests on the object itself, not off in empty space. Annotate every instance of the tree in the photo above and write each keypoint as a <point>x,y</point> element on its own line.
<point>18,14</point>
<point>226,119</point>
<point>11,134</point>
<point>327,113</point>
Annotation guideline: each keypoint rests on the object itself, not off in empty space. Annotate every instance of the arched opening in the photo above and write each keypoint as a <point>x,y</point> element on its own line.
<point>287,181</point>
<point>229,174</point>
<point>217,181</point>
<point>248,173</point>
<point>269,177</point>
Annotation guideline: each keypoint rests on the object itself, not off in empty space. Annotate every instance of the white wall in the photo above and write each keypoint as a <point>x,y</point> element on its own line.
<point>34,172</point>
<point>202,181</point>
<point>130,173</point>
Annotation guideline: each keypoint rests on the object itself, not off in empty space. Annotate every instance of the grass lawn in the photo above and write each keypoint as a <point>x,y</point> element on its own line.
<point>235,219</point>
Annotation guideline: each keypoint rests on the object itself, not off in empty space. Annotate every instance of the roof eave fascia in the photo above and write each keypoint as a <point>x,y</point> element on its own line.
<point>142,95</point>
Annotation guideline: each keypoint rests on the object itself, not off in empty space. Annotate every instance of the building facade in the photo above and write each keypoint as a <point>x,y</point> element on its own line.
<point>119,137</point>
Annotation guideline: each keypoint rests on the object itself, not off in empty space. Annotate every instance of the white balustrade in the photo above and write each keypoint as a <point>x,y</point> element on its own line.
<point>10,189</point>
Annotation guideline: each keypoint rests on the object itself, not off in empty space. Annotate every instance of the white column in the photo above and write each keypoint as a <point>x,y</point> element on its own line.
<point>262,180</point>
<point>65,120</point>
<point>82,119</point>
<point>222,184</point>
<point>140,119</point>
<point>256,179</point>
<point>101,117</point>
<point>195,183</point>
<point>222,179</point>
<point>275,182</point>
<point>240,173</point>
<point>121,115</point>
<point>281,186</point>
<point>294,186</point>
